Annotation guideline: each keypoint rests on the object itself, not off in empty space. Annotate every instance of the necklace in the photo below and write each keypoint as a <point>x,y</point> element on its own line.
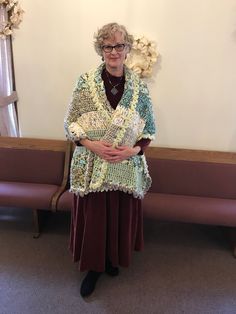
<point>114,90</point>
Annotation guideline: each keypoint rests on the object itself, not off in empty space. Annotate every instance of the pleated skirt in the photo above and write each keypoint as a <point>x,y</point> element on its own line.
<point>105,225</point>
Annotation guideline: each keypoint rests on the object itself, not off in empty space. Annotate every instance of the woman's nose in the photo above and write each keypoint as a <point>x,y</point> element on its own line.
<point>113,51</point>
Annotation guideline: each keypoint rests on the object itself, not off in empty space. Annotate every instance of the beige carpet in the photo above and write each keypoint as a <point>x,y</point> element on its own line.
<point>183,269</point>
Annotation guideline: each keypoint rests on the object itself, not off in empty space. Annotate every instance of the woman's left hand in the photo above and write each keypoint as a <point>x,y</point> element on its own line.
<point>123,153</point>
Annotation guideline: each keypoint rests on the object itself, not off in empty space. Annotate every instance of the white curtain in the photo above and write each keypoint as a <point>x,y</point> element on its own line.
<point>8,118</point>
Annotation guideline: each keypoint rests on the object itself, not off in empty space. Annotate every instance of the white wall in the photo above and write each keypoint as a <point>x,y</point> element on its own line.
<point>193,88</point>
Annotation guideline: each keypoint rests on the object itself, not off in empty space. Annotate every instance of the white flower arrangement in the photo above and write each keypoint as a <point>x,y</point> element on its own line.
<point>142,56</point>
<point>15,16</point>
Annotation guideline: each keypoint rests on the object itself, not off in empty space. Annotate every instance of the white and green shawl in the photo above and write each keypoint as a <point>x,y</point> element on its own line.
<point>91,116</point>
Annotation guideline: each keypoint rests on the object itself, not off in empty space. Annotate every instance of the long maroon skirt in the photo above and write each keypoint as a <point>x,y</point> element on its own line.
<point>105,225</point>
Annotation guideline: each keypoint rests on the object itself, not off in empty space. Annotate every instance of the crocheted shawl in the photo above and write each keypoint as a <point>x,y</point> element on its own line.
<point>91,116</point>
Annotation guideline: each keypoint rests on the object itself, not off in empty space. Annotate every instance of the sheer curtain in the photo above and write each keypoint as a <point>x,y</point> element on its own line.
<point>8,118</point>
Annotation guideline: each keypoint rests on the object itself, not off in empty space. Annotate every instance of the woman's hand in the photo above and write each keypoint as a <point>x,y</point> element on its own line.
<point>122,153</point>
<point>103,149</point>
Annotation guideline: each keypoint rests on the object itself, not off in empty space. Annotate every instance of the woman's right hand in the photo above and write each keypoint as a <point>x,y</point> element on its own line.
<point>101,148</point>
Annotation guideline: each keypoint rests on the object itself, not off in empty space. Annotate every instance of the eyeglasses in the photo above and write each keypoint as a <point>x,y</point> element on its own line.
<point>118,48</point>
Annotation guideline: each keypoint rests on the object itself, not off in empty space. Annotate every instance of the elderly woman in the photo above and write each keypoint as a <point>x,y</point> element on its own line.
<point>111,121</point>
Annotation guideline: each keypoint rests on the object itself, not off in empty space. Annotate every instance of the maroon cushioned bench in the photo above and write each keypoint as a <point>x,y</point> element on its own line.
<point>201,191</point>
<point>194,186</point>
<point>33,173</point>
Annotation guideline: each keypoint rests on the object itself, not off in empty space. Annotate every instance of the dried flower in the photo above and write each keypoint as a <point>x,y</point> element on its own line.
<point>142,57</point>
<point>15,16</point>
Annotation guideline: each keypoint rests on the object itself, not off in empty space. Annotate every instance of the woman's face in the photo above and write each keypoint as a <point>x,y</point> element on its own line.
<point>115,58</point>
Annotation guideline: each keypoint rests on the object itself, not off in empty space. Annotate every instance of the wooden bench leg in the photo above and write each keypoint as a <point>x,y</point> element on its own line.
<point>231,233</point>
<point>36,223</point>
<point>233,240</point>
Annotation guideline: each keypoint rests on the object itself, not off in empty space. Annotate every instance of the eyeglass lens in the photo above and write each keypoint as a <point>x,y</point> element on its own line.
<point>118,48</point>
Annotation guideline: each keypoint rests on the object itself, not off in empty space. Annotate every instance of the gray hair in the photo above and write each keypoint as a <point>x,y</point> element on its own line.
<point>107,31</point>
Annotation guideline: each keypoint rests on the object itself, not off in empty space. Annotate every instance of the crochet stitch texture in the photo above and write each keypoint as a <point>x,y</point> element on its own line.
<point>91,116</point>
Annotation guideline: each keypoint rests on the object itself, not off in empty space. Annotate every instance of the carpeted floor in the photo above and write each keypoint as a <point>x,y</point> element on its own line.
<point>184,269</point>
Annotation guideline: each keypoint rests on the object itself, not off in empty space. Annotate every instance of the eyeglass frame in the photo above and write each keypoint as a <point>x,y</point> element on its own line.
<point>110,47</point>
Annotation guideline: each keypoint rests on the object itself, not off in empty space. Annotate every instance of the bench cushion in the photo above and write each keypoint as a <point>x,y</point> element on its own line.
<point>203,210</point>
<point>183,208</point>
<point>26,195</point>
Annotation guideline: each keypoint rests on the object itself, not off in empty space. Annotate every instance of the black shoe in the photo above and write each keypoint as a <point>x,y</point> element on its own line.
<point>89,283</point>
<point>110,270</point>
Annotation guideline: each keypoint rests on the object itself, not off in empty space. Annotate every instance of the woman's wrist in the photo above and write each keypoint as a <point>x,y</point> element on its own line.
<point>85,142</point>
<point>137,149</point>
